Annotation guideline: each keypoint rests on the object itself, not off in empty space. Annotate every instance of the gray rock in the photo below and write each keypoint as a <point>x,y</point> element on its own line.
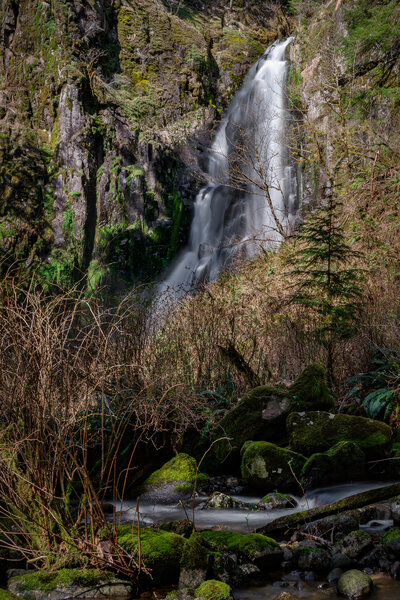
<point>395,511</point>
<point>339,525</point>
<point>341,561</point>
<point>354,584</point>
<point>373,559</point>
<point>275,500</point>
<point>311,556</point>
<point>219,501</point>
<point>356,543</point>
<point>395,570</point>
<point>334,575</point>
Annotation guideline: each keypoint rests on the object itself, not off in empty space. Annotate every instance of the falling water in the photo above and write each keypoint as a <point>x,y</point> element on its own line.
<point>250,196</point>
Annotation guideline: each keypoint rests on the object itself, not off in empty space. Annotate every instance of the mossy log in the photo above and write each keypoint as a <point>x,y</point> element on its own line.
<point>278,527</point>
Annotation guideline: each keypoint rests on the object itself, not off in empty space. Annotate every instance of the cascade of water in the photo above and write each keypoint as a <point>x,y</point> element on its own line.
<point>250,195</point>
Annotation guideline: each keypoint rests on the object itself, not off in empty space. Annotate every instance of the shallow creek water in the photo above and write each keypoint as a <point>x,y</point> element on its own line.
<point>236,519</point>
<point>384,588</point>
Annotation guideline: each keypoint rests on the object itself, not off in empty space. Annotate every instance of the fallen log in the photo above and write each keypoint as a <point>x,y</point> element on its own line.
<point>283,525</point>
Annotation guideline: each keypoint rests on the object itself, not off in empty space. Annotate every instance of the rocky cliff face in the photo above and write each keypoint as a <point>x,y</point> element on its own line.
<point>103,107</point>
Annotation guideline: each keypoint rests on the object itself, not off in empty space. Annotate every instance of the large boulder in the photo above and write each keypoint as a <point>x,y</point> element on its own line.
<point>67,583</point>
<point>260,415</point>
<point>264,552</point>
<point>269,467</point>
<point>354,584</point>
<point>159,551</point>
<point>316,431</point>
<point>344,462</point>
<point>173,482</point>
<point>310,390</point>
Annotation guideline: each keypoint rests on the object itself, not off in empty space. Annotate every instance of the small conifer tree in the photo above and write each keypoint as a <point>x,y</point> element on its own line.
<point>326,282</point>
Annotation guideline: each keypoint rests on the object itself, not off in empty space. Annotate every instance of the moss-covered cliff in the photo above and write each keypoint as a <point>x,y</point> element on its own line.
<point>98,101</point>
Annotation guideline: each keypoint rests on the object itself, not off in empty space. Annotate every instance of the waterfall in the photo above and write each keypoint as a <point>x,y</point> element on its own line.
<point>249,199</point>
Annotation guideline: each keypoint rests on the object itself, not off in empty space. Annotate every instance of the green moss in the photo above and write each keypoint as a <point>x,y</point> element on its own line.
<point>213,590</point>
<point>243,421</point>
<point>195,553</point>
<point>46,581</point>
<point>343,462</point>
<point>161,551</point>
<point>268,466</point>
<point>392,534</point>
<point>180,472</point>
<point>312,432</point>
<point>243,544</point>
<point>4,595</point>
<point>310,390</point>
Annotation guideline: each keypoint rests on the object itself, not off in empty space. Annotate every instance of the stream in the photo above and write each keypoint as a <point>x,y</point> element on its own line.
<point>239,520</point>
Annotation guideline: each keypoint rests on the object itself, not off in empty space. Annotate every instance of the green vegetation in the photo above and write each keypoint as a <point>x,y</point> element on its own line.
<point>310,390</point>
<point>46,581</point>
<point>180,472</point>
<point>326,282</point>
<point>213,590</point>
<point>269,467</point>
<point>318,431</point>
<point>246,545</point>
<point>160,551</point>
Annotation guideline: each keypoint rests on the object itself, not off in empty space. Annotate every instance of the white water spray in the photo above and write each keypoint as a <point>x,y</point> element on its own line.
<point>250,197</point>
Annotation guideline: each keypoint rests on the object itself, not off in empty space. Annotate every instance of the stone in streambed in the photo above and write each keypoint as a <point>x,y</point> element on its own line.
<point>219,501</point>
<point>173,482</point>
<point>286,596</point>
<point>344,462</point>
<point>264,552</point>
<point>269,467</point>
<point>213,590</point>
<point>354,585</point>
<point>391,542</point>
<point>276,500</point>
<point>315,431</point>
<point>356,543</point>
<point>311,556</point>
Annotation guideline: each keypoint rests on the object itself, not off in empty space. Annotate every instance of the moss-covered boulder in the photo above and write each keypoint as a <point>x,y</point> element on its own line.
<point>174,481</point>
<point>160,551</point>
<point>317,431</point>
<point>391,541</point>
<point>254,548</point>
<point>5,595</point>
<point>260,415</point>
<point>195,561</point>
<point>344,462</point>
<point>310,390</point>
<point>269,467</point>
<point>213,590</point>
<point>354,584</point>
<point>69,582</point>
